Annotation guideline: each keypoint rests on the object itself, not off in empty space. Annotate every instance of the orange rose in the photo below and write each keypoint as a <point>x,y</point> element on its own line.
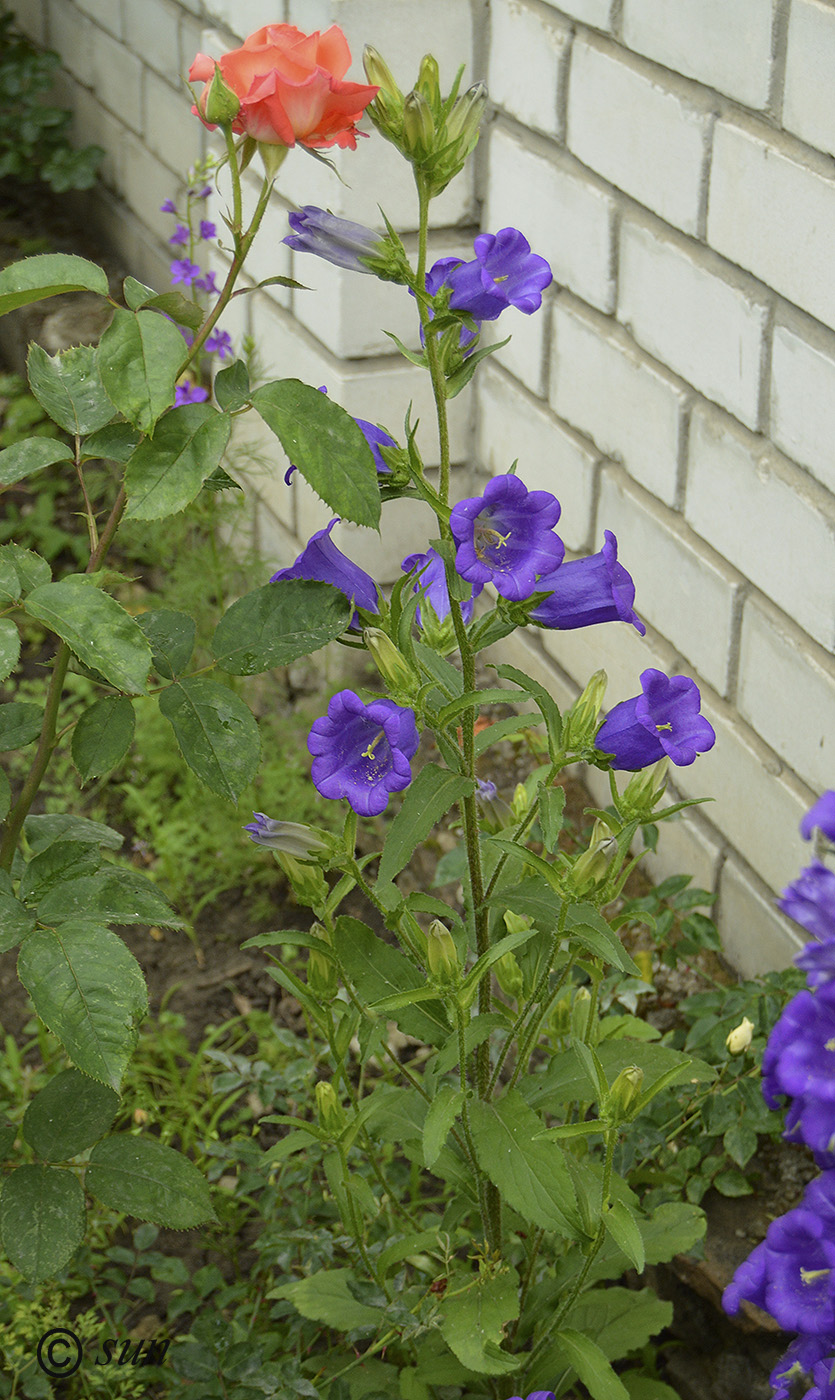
<point>290,87</point>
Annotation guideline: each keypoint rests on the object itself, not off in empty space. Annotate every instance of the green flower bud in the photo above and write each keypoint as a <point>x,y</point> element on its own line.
<point>429,81</point>
<point>464,121</point>
<point>330,1110</point>
<point>221,104</point>
<point>593,865</point>
<point>740,1037</point>
<point>379,75</point>
<point>622,1098</point>
<point>645,789</point>
<point>391,663</point>
<point>441,953</point>
<point>581,1006</point>
<point>509,976</point>
<point>581,722</point>
<point>307,881</point>
<point>322,976</point>
<point>521,802</point>
<point>418,127</point>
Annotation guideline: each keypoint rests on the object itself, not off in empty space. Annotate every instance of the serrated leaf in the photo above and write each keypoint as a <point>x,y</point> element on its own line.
<point>30,568</point>
<point>47,275</point>
<point>531,1175</point>
<point>115,443</point>
<point>231,385</point>
<point>41,1219</point>
<point>46,828</point>
<point>216,732</point>
<point>9,647</point>
<point>277,624</point>
<point>68,1115</point>
<point>428,797</point>
<point>378,970</point>
<point>551,802</point>
<point>96,628</point>
<point>326,445</point>
<point>325,1297</point>
<point>20,724</point>
<point>10,587</point>
<point>171,637</point>
<point>68,387</point>
<point>25,458</point>
<point>166,471</point>
<point>473,1323</point>
<point>143,1177</point>
<point>184,312</point>
<point>139,356</point>
<point>89,990</point>
<point>443,1111</point>
<point>102,736</point>
<point>56,866</point>
<point>16,921</point>
<point>115,894</point>
<point>544,700</point>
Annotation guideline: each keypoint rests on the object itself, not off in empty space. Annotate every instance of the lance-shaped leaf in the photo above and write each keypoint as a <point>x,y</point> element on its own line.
<point>443,1111</point>
<point>427,799</point>
<point>277,624</point>
<point>102,737</point>
<point>216,732</point>
<point>377,970</point>
<point>97,628</point>
<point>68,1115</point>
<point>326,1297</point>
<point>531,1175</point>
<point>47,275</point>
<point>89,990</point>
<point>473,1322</point>
<point>143,1177</point>
<point>166,471</point>
<point>68,386</point>
<point>171,636</point>
<point>590,1363</point>
<point>41,1219</point>
<point>9,647</point>
<point>325,444</point>
<point>139,356</point>
<point>25,458</point>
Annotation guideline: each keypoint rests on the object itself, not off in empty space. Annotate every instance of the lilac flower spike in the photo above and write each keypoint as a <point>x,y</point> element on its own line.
<point>362,752</point>
<point>506,538</point>
<point>587,591</point>
<point>321,560</point>
<point>431,579</point>
<point>338,241</point>
<point>503,273</point>
<point>665,719</point>
<point>822,816</point>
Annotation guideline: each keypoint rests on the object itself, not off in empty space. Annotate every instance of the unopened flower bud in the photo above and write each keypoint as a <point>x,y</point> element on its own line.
<point>380,75</point>
<point>295,839</point>
<point>441,953</point>
<point>307,881</point>
<point>330,1110</point>
<point>740,1037</point>
<point>623,1095</point>
<point>464,120</point>
<point>521,802</point>
<point>220,104</point>
<point>322,978</point>
<point>593,865</point>
<point>391,663</point>
<point>509,976</point>
<point>418,127</point>
<point>429,80</point>
<point>582,719</point>
<point>580,1009</point>
<point>645,789</point>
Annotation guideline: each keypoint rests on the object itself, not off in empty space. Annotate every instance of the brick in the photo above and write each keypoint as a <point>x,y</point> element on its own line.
<point>550,457</point>
<point>756,937</point>
<point>524,355</point>
<point>107,13</point>
<point>683,589</point>
<point>571,221</point>
<point>147,182</point>
<point>766,517</point>
<point>151,29</point>
<point>637,418</point>
<point>792,253</point>
<point>803,399</point>
<point>595,12</point>
<point>190,45</point>
<point>242,17</point>
<point>787,692</point>
<point>725,44</point>
<point>170,131</point>
<point>525,77</point>
<point>757,804</point>
<point>810,70</point>
<point>116,79</point>
<point>650,142</point>
<point>92,125</point>
<point>696,315</point>
<point>71,35</point>
<point>686,846</point>
<point>613,647</point>
<point>30,17</point>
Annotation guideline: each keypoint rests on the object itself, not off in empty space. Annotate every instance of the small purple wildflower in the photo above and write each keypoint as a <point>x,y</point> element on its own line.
<point>202,192</point>
<point>431,580</point>
<point>168,207</point>
<point>184,272</point>
<point>505,537</point>
<point>208,229</point>
<point>362,752</point>
<point>207,283</point>
<point>665,719</point>
<point>587,591</point>
<point>180,236</point>
<point>822,816</point>
<point>219,343</point>
<point>189,393</point>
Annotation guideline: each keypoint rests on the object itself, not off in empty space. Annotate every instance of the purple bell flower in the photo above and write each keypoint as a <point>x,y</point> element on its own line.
<point>665,719</point>
<point>321,560</point>
<point>823,1375</point>
<point>799,1059</point>
<point>362,752</point>
<point>431,580</point>
<point>376,438</point>
<point>587,591</point>
<point>506,538</point>
<point>293,838</point>
<point>503,273</point>
<point>803,1354</point>
<point>168,207</point>
<point>338,241</point>
<point>810,901</point>
<point>790,1275</point>
<point>822,816</point>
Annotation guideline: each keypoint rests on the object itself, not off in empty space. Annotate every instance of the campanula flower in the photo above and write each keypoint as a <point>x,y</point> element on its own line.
<point>293,838</point>
<point>587,591</point>
<point>791,1274</point>
<point>362,752</point>
<point>799,1061</point>
<point>505,537</point>
<point>665,719</point>
<point>321,560</point>
<point>802,1356</point>
<point>338,241</point>
<point>503,273</point>
<point>431,580</point>
<point>822,816</point>
<point>810,901</point>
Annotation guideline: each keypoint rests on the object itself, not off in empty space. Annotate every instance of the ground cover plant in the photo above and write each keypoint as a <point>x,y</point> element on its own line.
<point>457,1157</point>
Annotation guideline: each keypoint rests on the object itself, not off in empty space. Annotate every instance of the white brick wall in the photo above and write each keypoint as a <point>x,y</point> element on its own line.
<point>673,163</point>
